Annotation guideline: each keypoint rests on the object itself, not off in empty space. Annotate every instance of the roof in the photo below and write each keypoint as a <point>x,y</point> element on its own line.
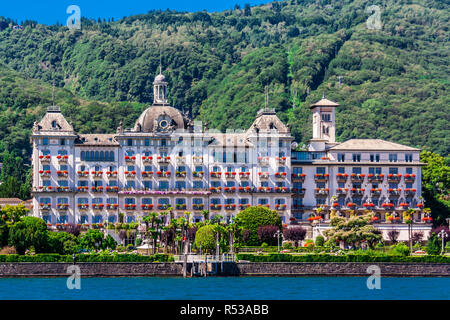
<point>266,121</point>
<point>97,139</point>
<point>372,144</point>
<point>14,202</point>
<point>53,121</point>
<point>152,119</point>
<point>324,102</point>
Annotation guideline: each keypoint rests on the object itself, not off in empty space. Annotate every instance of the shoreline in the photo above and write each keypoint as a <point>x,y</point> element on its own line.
<point>227,269</point>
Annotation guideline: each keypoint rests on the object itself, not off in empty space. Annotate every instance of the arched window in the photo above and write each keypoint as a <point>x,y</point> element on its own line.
<point>88,157</point>
<point>83,156</point>
<point>111,156</point>
<point>102,156</point>
<point>92,157</point>
<point>96,156</point>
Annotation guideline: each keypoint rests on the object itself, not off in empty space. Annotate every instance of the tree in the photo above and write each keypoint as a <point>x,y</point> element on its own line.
<point>91,240</point>
<point>254,217</point>
<point>247,10</point>
<point>29,232</point>
<point>434,245</point>
<point>205,237</point>
<point>417,237</point>
<point>353,231</point>
<point>393,235</point>
<point>62,243</point>
<point>267,234</point>
<point>295,234</point>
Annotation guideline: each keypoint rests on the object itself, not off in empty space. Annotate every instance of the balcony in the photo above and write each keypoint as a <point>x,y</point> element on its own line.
<point>163,174</point>
<point>45,159</point>
<point>263,161</point>
<point>409,178</point>
<point>298,176</point>
<point>297,191</point>
<point>197,159</point>
<point>82,174</point>
<point>375,177</point>
<point>215,174</point>
<point>62,159</point>
<point>368,205</point>
<point>198,206</point>
<point>82,188</point>
<point>45,189</point>
<point>264,189</point>
<point>98,206</point>
<point>341,177</point>
<point>341,191</point>
<point>163,159</point>
<point>281,160</point>
<point>111,174</point>
<point>321,177</point>
<point>62,174</point>
<point>215,206</point>
<point>387,206</point>
<point>83,206</point>
<point>180,174</point>
<point>280,207</point>
<point>148,159</point>
<point>129,206</point>
<point>180,206</point>
<point>181,160</point>
<point>231,206</point>
<point>321,191</point>
<point>130,174</point>
<point>45,206</point>
<point>280,175</point>
<point>147,206</point>
<point>230,175</point>
<point>281,189</point>
<point>243,206</point>
<point>410,192</point>
<point>229,189</point>
<point>394,177</point>
<point>358,177</point>
<point>358,191</point>
<point>62,189</point>
<point>111,189</point>
<point>130,159</point>
<point>263,175</point>
<point>244,175</point>
<point>375,192</point>
<point>198,174</point>
<point>97,174</point>
<point>147,174</point>
<point>394,192</point>
<point>62,206</point>
<point>215,189</point>
<point>46,173</point>
<point>111,206</point>
<point>97,189</point>
<point>245,189</point>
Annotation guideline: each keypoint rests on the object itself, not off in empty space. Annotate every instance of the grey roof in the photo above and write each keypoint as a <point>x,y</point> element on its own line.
<point>146,121</point>
<point>372,144</point>
<point>53,121</point>
<point>266,121</point>
<point>324,102</point>
<point>97,139</point>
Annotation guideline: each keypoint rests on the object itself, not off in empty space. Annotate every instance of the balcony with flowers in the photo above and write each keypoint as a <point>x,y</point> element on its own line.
<point>180,159</point>
<point>111,206</point>
<point>230,175</point>
<point>45,206</point>
<point>62,159</point>
<point>45,173</point>
<point>215,189</point>
<point>321,177</point>
<point>314,218</point>
<point>198,206</point>
<point>358,177</point>
<point>147,159</point>
<point>83,206</point>
<point>264,205</point>
<point>375,191</point>
<point>341,177</point>
<point>298,191</point>
<point>280,160</point>
<point>163,174</point>
<point>351,205</point>
<point>213,206</point>
<point>147,206</point>
<point>298,176</point>
<point>130,174</point>
<point>82,188</point>
<point>62,206</point>
<point>45,159</point>
<point>420,205</point>
<point>264,189</point>
<point>245,189</point>
<point>82,174</point>
<point>129,206</point>
<point>62,173</point>
<point>215,174</point>
<point>97,189</point>
<point>111,188</point>
<point>280,206</point>
<point>341,191</point>
<point>180,206</point>
<point>368,205</point>
<point>161,159</point>
<point>243,206</point>
<point>358,191</point>
<point>394,177</point>
<point>180,174</point>
<point>387,205</point>
<point>321,191</point>
<point>62,189</point>
<point>147,174</point>
<point>392,217</point>
<point>111,174</point>
<point>375,177</point>
<point>409,178</point>
<point>263,161</point>
<point>263,175</point>
<point>45,189</point>
<point>410,191</point>
<point>335,205</point>
<point>98,206</point>
<point>230,206</point>
<point>130,159</point>
<point>229,189</point>
<point>280,175</point>
<point>197,159</point>
<point>97,174</point>
<point>281,189</point>
<point>244,175</point>
<point>394,192</point>
<point>198,174</point>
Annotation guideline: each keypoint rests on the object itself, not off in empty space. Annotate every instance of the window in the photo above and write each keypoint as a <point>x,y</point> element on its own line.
<point>408,157</point>
<point>373,170</point>
<point>215,184</point>
<point>198,168</point>
<point>374,157</point>
<point>147,185</point>
<point>97,200</point>
<point>320,185</point>
<point>146,142</point>
<point>320,201</point>
<point>263,201</point>
<point>356,170</point>
<point>83,156</point>
<point>111,200</point>
<point>163,185</point>
<point>409,170</point>
<point>45,141</point>
<point>408,185</point>
<point>229,201</point>
<point>326,117</point>
<point>63,183</point>
<point>180,185</point>
<point>356,157</point>
<point>45,200</point>
<point>130,201</point>
<point>341,170</point>
<point>297,170</point>
<point>230,184</point>
<point>129,142</point>
<point>198,184</point>
<point>130,185</point>
<point>63,200</point>
<point>215,201</point>
<point>393,170</point>
<point>62,142</point>
<point>180,201</point>
<point>83,200</point>
<point>393,185</point>
<point>245,184</point>
<point>197,201</point>
<point>392,157</point>
<point>341,185</point>
<point>320,170</point>
<point>341,157</point>
<point>282,169</point>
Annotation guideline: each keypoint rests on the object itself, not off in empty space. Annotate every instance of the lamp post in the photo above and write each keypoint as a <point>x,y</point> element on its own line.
<point>442,235</point>
<point>278,234</point>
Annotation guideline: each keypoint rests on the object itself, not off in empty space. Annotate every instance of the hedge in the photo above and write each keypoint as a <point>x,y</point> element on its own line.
<point>343,258</point>
<point>50,257</point>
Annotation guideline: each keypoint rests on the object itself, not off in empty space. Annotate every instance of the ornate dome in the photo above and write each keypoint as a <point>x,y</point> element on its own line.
<point>160,78</point>
<point>160,119</point>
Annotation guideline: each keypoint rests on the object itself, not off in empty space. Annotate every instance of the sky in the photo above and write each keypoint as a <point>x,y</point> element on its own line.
<point>52,11</point>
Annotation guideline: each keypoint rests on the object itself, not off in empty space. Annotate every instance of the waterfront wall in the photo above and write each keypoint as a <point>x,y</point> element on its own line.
<point>98,269</point>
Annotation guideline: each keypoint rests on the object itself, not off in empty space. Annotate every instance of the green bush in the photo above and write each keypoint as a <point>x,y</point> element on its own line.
<point>320,240</point>
<point>86,258</point>
<point>402,249</point>
<point>205,237</point>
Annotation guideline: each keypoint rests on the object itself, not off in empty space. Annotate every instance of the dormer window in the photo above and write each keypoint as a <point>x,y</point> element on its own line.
<point>54,124</point>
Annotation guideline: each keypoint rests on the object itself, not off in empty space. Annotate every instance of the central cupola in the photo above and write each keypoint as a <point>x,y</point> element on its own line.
<point>160,89</point>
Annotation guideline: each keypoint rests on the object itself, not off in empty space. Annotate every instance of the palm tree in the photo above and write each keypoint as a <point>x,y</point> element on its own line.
<point>205,214</point>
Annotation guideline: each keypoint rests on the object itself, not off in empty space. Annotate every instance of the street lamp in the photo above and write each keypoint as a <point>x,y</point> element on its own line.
<point>278,234</point>
<point>442,235</point>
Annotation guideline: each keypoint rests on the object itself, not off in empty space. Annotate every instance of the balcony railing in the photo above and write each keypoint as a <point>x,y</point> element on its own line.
<point>130,159</point>
<point>263,160</point>
<point>321,176</point>
<point>198,174</point>
<point>230,175</point>
<point>281,189</point>
<point>359,191</point>
<point>163,174</point>
<point>281,160</point>
<point>147,206</point>
<point>375,177</point>
<point>163,159</point>
<point>245,189</point>
<point>198,206</point>
<point>97,174</point>
<point>244,175</point>
<point>62,174</point>
<point>341,191</point>
<point>180,174</point>
<point>230,206</point>
<point>215,174</point>
<point>321,191</point>
<point>341,177</point>
<point>410,178</point>
<point>62,159</point>
<point>197,159</point>
<point>298,176</point>
<point>394,177</point>
<point>263,175</point>
<point>215,206</point>
<point>358,177</point>
<point>280,207</point>
<point>82,173</point>
<point>298,191</point>
<point>45,159</point>
<point>229,189</point>
<point>147,174</point>
<point>147,159</point>
<point>280,175</point>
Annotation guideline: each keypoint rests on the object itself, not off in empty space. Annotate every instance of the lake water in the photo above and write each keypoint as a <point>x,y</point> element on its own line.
<point>226,288</point>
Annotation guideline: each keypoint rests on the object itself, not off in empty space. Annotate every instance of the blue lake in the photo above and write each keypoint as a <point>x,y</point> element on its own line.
<point>231,288</point>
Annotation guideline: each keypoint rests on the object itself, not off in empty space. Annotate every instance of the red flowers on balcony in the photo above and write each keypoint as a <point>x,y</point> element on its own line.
<point>280,174</point>
<point>387,205</point>
<point>368,205</point>
<point>404,204</point>
<point>351,204</point>
<point>147,159</point>
<point>420,205</point>
<point>147,206</point>
<point>131,206</point>
<point>427,219</point>
<point>215,174</point>
<point>335,205</point>
<point>321,176</point>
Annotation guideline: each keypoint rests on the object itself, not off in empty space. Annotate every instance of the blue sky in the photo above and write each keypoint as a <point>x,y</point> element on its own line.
<point>49,12</point>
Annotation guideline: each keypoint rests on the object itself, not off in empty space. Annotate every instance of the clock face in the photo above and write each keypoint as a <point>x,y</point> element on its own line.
<point>164,124</point>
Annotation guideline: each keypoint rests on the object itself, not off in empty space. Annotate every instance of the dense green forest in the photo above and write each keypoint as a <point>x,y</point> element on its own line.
<point>390,83</point>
